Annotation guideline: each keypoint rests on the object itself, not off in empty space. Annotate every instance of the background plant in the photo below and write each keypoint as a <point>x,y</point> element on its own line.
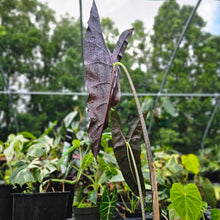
<point>43,54</point>
<point>29,161</point>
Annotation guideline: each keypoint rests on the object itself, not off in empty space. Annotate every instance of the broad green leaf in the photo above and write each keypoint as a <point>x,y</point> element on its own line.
<point>215,214</point>
<point>47,170</point>
<point>103,178</point>
<point>19,164</point>
<point>47,131</point>
<point>92,196</point>
<point>21,176</point>
<point>42,169</point>
<point>69,118</point>
<point>108,168</point>
<point>15,146</point>
<point>9,153</point>
<point>191,163</point>
<point>27,134</point>
<point>147,104</point>
<point>166,103</point>
<point>36,172</point>
<point>108,204</point>
<point>36,150</point>
<point>122,153</point>
<point>159,178</point>
<point>47,143</point>
<point>186,201</point>
<point>117,178</point>
<point>208,192</point>
<point>87,160</point>
<point>35,163</point>
<point>173,166</point>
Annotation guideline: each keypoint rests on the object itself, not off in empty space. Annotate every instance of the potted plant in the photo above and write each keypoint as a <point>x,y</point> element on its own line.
<point>8,150</point>
<point>89,186</point>
<point>90,182</point>
<point>128,204</point>
<point>30,161</point>
<point>103,83</point>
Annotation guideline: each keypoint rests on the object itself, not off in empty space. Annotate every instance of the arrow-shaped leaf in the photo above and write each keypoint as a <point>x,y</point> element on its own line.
<point>122,154</point>
<point>103,86</point>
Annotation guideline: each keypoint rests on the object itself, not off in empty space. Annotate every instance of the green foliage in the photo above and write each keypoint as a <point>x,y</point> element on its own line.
<point>41,54</point>
<point>166,103</point>
<point>208,192</point>
<point>191,163</point>
<point>33,165</point>
<point>215,214</point>
<point>186,201</point>
<point>209,159</point>
<point>92,175</point>
<point>108,204</point>
<point>14,147</point>
<point>171,166</point>
<point>190,72</point>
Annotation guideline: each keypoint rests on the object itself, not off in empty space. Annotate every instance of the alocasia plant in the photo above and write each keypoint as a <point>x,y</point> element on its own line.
<point>102,80</point>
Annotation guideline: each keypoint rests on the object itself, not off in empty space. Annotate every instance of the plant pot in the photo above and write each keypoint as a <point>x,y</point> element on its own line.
<point>67,187</point>
<point>40,206</point>
<point>122,214</point>
<point>86,213</point>
<point>5,201</point>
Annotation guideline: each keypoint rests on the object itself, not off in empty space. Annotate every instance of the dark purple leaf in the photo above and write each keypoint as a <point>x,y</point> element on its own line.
<point>103,85</point>
<point>123,156</point>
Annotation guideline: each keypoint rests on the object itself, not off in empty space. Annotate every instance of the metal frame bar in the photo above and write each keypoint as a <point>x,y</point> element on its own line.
<point>172,59</point>
<point>209,124</point>
<point>214,95</point>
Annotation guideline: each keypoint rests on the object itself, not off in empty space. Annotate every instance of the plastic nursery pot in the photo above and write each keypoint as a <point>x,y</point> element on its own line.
<point>5,201</point>
<point>67,187</point>
<point>122,214</point>
<point>91,213</point>
<point>40,206</point>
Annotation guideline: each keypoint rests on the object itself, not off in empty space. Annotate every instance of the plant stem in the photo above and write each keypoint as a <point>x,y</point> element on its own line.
<point>156,215</point>
<point>138,181</point>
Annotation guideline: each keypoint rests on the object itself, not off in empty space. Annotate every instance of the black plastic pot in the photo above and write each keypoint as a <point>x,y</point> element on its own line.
<point>122,214</point>
<point>67,187</point>
<point>5,201</point>
<point>40,206</point>
<point>86,213</point>
<point>214,177</point>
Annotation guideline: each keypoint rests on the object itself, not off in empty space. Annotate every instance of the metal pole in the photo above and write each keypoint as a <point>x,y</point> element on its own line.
<point>81,32</point>
<point>209,124</point>
<point>7,90</point>
<point>214,95</point>
<point>171,60</point>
